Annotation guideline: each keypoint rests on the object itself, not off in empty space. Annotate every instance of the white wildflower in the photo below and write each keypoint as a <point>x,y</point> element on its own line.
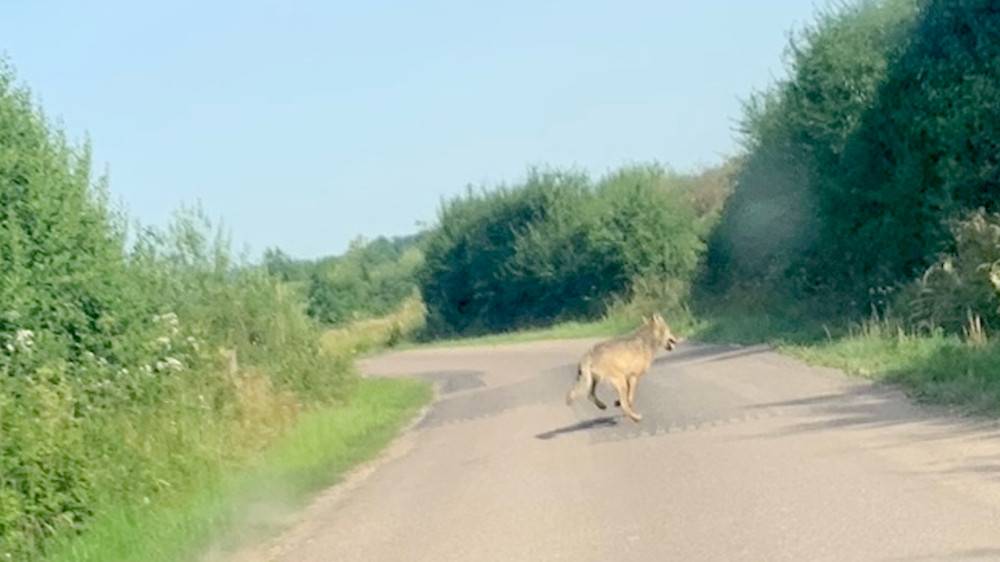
<point>170,319</point>
<point>164,341</point>
<point>24,339</point>
<point>169,364</point>
<point>995,277</point>
<point>146,369</point>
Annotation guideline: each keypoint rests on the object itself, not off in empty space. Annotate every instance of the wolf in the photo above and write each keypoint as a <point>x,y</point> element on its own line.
<point>621,362</point>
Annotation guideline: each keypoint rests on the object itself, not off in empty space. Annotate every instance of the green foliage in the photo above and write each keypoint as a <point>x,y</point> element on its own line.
<point>284,267</point>
<point>112,390</point>
<point>964,284</point>
<point>557,247</point>
<point>885,132</point>
<point>371,279</point>
<point>777,228</point>
<point>48,210</point>
<point>926,150</point>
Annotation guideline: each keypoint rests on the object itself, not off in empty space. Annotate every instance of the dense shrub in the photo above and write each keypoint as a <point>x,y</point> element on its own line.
<point>555,247</point>
<point>776,231</point>
<point>112,387</point>
<point>465,281</point>
<point>885,132</point>
<point>926,151</point>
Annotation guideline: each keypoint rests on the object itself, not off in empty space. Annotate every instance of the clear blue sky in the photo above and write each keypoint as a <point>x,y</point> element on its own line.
<point>306,123</point>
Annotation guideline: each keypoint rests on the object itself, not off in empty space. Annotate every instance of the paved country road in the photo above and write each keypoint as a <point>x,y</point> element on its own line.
<point>743,455</point>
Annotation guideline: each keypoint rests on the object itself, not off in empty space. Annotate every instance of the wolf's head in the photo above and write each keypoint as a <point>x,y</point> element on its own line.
<point>661,332</point>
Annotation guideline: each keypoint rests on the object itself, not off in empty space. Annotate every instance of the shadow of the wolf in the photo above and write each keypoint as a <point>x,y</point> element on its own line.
<point>607,421</point>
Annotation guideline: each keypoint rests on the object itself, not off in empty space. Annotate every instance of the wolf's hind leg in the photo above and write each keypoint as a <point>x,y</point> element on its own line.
<point>593,396</point>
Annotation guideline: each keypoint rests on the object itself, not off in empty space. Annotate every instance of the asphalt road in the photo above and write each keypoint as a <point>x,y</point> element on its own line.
<point>743,455</point>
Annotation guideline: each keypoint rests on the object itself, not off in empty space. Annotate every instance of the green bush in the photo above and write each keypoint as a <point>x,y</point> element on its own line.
<point>777,231</point>
<point>112,387</point>
<point>556,247</point>
<point>884,134</point>
<point>925,151</point>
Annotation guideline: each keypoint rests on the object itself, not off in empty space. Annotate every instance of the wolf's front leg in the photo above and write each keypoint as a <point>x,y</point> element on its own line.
<point>622,388</point>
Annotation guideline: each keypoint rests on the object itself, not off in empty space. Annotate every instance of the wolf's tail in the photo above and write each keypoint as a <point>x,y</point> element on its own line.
<point>584,380</point>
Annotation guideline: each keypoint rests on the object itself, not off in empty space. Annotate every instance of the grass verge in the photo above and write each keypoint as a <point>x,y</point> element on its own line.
<point>226,511</point>
<point>566,330</point>
<point>932,367</point>
<point>615,324</point>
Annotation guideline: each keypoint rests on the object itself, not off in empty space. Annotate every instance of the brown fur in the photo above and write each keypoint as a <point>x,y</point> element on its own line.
<point>621,362</point>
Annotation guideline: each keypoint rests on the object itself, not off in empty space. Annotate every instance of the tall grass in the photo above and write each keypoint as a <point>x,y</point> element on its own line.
<point>225,509</point>
<point>932,366</point>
